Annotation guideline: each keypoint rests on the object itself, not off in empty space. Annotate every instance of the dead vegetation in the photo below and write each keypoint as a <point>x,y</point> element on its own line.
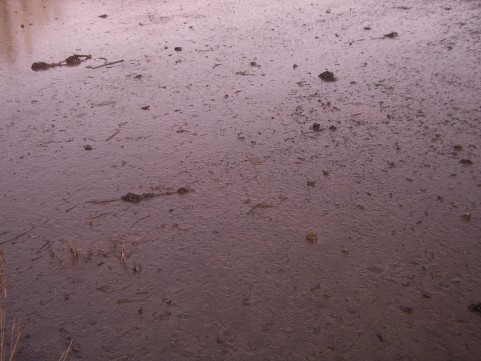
<point>7,349</point>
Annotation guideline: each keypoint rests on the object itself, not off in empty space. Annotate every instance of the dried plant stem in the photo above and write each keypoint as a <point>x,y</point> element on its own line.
<point>63,356</point>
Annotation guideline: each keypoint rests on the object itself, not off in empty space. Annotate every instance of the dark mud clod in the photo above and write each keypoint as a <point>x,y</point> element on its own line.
<point>316,127</point>
<point>311,183</point>
<point>406,309</point>
<point>178,48</point>
<point>294,66</point>
<point>458,148</point>
<point>332,128</point>
<point>327,76</point>
<point>182,190</point>
<point>465,162</point>
<point>73,60</point>
<point>475,307</point>
<point>88,147</point>
<point>391,35</point>
<point>147,107</point>
<point>103,16</point>
<point>367,28</point>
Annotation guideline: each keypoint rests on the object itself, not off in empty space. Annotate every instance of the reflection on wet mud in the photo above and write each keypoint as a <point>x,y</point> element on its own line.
<point>242,180</point>
<point>19,22</point>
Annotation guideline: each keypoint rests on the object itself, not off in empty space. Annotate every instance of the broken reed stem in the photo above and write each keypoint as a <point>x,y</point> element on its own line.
<point>15,327</point>
<point>15,338</point>
<point>63,356</point>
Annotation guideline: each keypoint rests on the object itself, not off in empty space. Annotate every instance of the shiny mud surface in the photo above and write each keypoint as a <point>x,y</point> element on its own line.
<point>389,182</point>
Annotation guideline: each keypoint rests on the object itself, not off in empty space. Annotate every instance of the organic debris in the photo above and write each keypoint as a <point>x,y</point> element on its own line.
<point>327,76</point>
<point>475,307</point>
<point>311,237</point>
<point>391,35</point>
<point>136,198</point>
<point>466,217</point>
<point>406,309</point>
<point>73,60</point>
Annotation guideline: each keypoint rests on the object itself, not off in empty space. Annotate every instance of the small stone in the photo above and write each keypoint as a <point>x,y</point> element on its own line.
<point>103,16</point>
<point>332,128</point>
<point>88,147</point>
<point>178,48</point>
<point>316,127</point>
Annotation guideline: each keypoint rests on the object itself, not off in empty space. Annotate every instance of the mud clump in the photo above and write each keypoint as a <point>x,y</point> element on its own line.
<point>316,127</point>
<point>391,35</point>
<point>88,147</point>
<point>136,198</point>
<point>327,76</point>
<point>182,190</point>
<point>475,307</point>
<point>178,48</point>
<point>465,162</point>
<point>72,60</point>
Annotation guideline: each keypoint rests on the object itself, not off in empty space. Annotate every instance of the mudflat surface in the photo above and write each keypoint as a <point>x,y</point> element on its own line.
<point>272,214</point>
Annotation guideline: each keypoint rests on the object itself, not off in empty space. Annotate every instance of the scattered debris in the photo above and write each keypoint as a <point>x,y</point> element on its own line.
<point>406,309</point>
<point>107,64</point>
<point>182,190</point>
<point>391,35</point>
<point>136,198</point>
<point>146,107</point>
<point>178,48</point>
<point>244,73</point>
<point>260,206</point>
<point>73,60</point>
<point>466,217</point>
<point>256,160</point>
<point>88,147</point>
<point>103,16</point>
<point>311,237</point>
<point>327,76</point>
<point>113,135</point>
<point>137,268</point>
<point>465,162</point>
<point>475,307</point>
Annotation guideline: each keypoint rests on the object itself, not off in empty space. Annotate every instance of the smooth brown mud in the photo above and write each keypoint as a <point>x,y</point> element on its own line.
<point>320,220</point>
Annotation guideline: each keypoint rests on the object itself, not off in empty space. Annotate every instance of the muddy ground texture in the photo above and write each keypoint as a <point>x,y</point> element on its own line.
<point>242,180</point>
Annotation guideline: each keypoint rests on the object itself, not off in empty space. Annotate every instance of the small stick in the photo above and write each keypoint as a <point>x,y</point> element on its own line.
<point>113,135</point>
<point>111,63</point>
<point>18,236</point>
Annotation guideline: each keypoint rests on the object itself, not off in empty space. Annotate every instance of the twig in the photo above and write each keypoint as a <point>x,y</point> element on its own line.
<point>63,356</point>
<point>18,236</point>
<point>111,63</point>
<point>113,135</point>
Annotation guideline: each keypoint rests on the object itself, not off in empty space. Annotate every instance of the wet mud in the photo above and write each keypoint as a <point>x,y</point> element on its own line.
<point>317,220</point>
